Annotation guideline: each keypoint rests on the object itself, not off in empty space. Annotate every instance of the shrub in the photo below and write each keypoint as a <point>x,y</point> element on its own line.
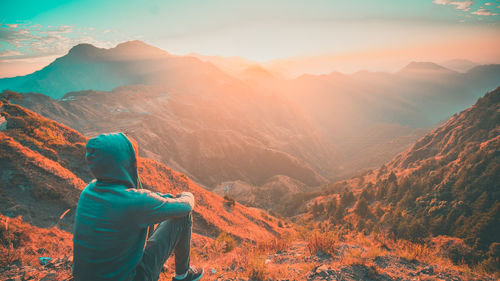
<point>228,243</point>
<point>229,201</point>
<point>9,256</point>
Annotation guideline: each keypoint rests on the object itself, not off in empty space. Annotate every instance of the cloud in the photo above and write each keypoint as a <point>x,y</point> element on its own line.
<point>21,41</point>
<point>10,53</point>
<point>484,12</point>
<point>488,4</point>
<point>459,5</point>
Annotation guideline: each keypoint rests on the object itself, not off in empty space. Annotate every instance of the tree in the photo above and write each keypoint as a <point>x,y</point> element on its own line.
<point>332,207</point>
<point>361,207</point>
<point>366,194</point>
<point>392,178</point>
<point>317,208</point>
<point>340,213</point>
<point>346,198</point>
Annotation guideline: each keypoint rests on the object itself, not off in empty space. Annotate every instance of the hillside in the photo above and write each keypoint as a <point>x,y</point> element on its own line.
<point>447,183</point>
<point>43,171</point>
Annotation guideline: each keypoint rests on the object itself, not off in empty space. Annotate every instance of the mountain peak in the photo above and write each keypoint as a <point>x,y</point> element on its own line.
<point>460,65</point>
<point>424,67</point>
<point>134,44</point>
<point>138,46</point>
<point>83,48</point>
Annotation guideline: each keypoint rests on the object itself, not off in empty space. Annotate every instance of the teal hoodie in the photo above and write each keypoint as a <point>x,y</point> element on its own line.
<point>114,212</point>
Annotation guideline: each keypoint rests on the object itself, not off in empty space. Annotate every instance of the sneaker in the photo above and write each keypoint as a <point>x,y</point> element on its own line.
<point>193,274</point>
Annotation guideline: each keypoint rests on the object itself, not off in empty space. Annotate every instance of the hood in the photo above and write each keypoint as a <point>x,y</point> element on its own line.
<point>112,159</point>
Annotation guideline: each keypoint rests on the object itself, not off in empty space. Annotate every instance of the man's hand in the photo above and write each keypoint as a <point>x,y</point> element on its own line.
<point>166,195</point>
<point>185,193</point>
<point>188,195</point>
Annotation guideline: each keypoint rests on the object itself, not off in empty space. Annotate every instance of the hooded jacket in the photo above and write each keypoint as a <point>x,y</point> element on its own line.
<point>114,212</point>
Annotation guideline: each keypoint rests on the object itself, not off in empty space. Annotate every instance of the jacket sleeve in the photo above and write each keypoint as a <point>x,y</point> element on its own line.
<point>152,207</point>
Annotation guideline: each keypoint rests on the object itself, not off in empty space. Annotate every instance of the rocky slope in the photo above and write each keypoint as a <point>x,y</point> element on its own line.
<point>341,256</point>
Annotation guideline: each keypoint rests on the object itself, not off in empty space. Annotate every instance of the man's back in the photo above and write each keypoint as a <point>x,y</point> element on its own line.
<point>114,212</point>
<point>108,241</point>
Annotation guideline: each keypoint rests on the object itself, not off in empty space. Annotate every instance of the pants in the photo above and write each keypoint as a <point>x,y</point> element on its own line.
<point>170,235</point>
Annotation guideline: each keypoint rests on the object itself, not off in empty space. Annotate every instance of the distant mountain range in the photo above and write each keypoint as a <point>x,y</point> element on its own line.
<point>251,128</point>
<point>87,67</point>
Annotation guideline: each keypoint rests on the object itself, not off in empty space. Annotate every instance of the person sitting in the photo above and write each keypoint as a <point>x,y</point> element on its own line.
<point>112,234</point>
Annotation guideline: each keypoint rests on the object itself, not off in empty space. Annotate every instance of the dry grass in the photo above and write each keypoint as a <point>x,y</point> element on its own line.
<point>256,268</point>
<point>322,242</point>
<point>9,255</point>
<point>275,245</point>
<point>22,244</point>
<point>412,251</point>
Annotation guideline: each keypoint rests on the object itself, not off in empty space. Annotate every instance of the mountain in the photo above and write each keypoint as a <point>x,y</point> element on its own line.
<point>459,65</point>
<point>231,65</point>
<point>213,137</point>
<point>44,171</point>
<point>367,109</point>
<point>447,183</point>
<point>189,114</point>
<point>424,68</point>
<point>251,126</point>
<point>87,67</point>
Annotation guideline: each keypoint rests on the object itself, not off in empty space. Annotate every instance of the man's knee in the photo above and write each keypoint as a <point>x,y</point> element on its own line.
<point>189,219</point>
<point>185,221</point>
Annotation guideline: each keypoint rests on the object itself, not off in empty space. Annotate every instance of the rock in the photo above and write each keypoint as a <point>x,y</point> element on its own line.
<point>44,260</point>
<point>49,277</point>
<point>429,270</point>
<point>42,251</point>
<point>323,255</point>
<point>3,123</point>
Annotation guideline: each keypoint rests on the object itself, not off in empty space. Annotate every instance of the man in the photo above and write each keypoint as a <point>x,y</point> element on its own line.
<point>114,214</point>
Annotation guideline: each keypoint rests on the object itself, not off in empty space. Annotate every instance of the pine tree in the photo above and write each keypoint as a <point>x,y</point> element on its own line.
<point>361,207</point>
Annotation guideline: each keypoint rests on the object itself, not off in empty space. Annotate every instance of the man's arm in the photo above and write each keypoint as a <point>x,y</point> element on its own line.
<point>155,207</point>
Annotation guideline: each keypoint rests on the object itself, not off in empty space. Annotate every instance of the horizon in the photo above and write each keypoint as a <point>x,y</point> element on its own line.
<point>317,37</point>
<point>264,65</point>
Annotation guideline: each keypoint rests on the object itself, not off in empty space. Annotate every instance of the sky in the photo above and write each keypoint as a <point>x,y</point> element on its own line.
<point>368,34</point>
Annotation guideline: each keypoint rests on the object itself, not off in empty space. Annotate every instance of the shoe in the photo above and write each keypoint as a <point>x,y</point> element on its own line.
<point>193,274</point>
